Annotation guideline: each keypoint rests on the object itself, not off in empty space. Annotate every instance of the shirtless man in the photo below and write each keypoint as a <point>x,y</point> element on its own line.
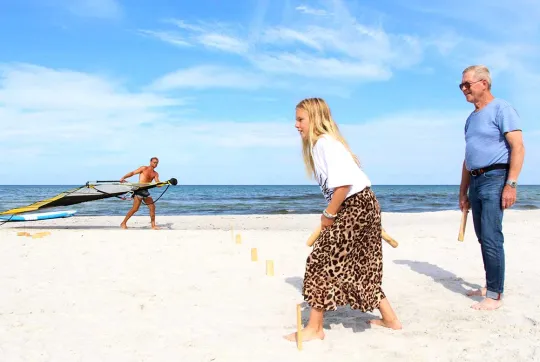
<point>146,175</point>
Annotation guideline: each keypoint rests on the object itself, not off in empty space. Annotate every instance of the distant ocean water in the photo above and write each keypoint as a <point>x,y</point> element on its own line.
<point>220,200</point>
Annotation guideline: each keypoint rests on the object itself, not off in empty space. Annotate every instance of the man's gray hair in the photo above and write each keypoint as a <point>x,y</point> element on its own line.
<point>481,72</point>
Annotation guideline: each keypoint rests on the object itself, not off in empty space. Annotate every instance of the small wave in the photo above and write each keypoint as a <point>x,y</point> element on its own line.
<point>282,211</point>
<point>423,194</point>
<point>526,207</point>
<point>288,197</point>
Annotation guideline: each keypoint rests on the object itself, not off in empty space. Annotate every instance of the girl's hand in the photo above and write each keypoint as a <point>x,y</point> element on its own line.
<point>326,222</point>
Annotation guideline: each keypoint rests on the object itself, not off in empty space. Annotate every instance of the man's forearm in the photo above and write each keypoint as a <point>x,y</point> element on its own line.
<point>465,179</point>
<point>517,155</point>
<point>128,175</point>
<point>340,193</point>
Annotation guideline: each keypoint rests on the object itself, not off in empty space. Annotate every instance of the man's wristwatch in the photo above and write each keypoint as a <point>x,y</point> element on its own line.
<point>512,183</point>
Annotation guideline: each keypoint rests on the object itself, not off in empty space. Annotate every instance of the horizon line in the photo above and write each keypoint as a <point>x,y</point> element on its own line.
<point>315,185</point>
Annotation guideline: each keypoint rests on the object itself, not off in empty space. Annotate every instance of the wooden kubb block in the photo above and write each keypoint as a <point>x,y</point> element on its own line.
<point>254,256</point>
<point>270,268</point>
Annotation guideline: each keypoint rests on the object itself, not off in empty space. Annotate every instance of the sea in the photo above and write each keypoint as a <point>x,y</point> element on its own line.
<point>261,200</point>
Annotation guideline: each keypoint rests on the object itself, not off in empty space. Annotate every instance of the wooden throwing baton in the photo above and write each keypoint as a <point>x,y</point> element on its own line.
<point>317,232</point>
<point>463,224</point>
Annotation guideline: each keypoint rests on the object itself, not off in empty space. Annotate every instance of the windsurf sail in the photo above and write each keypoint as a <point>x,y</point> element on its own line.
<point>89,192</point>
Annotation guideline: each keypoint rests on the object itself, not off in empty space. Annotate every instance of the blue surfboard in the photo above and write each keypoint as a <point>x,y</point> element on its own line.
<point>40,216</point>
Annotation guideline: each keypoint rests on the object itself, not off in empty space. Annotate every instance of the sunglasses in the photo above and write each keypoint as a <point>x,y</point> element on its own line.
<point>468,84</point>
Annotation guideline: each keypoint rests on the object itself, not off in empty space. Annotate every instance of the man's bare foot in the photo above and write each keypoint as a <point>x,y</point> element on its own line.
<point>155,227</point>
<point>477,293</point>
<point>308,334</point>
<point>487,304</point>
<point>393,324</point>
<point>123,226</point>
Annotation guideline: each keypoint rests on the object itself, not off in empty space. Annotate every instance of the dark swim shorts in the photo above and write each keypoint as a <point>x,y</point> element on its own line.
<point>142,193</point>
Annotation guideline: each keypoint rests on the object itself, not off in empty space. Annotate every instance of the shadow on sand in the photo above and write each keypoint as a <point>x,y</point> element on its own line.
<point>345,316</point>
<point>447,279</point>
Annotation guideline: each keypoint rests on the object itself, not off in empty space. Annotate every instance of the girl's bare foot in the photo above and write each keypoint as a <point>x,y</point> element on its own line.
<point>123,226</point>
<point>314,328</point>
<point>389,318</point>
<point>308,334</point>
<point>477,293</point>
<point>393,324</point>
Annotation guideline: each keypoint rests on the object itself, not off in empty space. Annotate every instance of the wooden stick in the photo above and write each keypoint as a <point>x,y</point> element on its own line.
<point>253,254</point>
<point>299,326</point>
<point>463,225</point>
<point>384,235</point>
<point>43,233</point>
<point>388,238</point>
<point>314,235</point>
<point>269,268</point>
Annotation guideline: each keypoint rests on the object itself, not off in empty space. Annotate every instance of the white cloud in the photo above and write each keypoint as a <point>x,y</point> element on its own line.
<point>40,107</point>
<point>425,146</point>
<point>183,25</point>
<point>94,126</point>
<point>289,36</point>
<point>95,141</point>
<point>333,45</point>
<point>508,44</point>
<point>91,125</point>
<point>167,36</point>
<point>311,11</point>
<point>318,67</point>
<point>411,144</point>
<point>207,76</point>
<point>214,77</point>
<point>30,87</point>
<point>217,36</point>
<point>223,42</point>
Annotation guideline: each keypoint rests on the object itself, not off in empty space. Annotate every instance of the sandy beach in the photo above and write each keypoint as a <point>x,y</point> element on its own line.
<point>89,291</point>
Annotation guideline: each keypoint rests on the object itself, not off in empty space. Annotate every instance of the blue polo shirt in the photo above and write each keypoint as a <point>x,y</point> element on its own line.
<point>485,141</point>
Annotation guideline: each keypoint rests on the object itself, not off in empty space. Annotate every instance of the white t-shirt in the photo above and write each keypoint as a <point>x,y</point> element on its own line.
<point>334,167</point>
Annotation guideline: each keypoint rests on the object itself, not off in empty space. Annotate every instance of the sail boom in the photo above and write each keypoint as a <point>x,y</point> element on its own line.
<point>86,193</point>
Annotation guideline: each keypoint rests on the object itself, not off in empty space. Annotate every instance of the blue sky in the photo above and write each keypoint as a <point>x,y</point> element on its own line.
<point>91,89</point>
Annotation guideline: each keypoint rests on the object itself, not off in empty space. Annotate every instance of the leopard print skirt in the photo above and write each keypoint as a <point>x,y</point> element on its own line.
<point>346,266</point>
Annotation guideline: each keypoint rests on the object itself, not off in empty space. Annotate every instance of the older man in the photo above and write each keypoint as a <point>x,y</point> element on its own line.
<point>494,154</point>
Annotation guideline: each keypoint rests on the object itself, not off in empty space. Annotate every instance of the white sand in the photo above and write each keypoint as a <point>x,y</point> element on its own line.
<point>93,292</point>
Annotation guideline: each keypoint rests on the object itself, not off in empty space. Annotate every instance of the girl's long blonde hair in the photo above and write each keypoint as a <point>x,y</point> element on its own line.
<point>320,123</point>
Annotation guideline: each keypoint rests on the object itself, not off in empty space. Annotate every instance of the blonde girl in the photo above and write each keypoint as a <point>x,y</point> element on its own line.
<point>345,266</point>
